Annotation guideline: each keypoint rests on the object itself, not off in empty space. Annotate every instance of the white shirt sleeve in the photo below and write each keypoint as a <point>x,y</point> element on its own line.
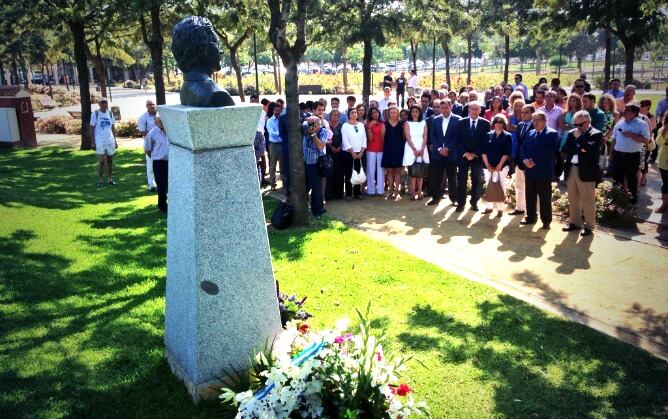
<point>345,142</point>
<point>93,119</point>
<point>364,138</point>
<point>148,141</point>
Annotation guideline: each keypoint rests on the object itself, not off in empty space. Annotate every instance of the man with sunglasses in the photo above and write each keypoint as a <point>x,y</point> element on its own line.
<point>582,150</point>
<point>579,87</point>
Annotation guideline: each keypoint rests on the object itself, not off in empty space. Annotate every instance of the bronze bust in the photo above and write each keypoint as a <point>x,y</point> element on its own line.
<point>195,48</point>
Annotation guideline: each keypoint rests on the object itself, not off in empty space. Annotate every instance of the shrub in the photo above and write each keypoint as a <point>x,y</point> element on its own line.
<point>52,124</point>
<point>36,105</point>
<point>73,126</point>
<point>127,128</point>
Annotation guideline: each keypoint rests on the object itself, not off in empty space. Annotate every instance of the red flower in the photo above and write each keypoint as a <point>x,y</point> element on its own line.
<point>303,328</point>
<point>402,390</point>
<point>379,357</point>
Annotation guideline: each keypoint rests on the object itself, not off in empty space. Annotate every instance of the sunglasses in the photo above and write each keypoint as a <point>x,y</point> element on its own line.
<point>497,122</point>
<point>355,126</point>
<point>579,125</point>
<point>579,87</point>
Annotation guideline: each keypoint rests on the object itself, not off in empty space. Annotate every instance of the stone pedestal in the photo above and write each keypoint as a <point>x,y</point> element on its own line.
<point>221,304</point>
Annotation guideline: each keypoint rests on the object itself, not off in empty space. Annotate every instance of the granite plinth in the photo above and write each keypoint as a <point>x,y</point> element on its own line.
<point>210,128</point>
<point>221,305</point>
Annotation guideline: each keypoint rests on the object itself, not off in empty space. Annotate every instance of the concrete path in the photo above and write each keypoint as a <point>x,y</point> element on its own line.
<point>612,284</point>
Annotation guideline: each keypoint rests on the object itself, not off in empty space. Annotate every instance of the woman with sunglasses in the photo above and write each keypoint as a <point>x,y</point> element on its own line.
<point>496,152</point>
<point>415,151</point>
<point>353,140</point>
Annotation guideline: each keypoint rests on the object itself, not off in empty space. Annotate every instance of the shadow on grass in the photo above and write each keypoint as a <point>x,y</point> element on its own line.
<point>89,343</point>
<point>52,177</point>
<point>542,366</point>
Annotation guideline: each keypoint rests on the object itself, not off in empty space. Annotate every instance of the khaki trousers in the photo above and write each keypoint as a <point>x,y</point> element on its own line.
<point>581,200</point>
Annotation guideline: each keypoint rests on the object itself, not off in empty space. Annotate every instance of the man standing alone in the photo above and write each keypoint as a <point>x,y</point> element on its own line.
<point>156,146</point>
<point>103,135</point>
<point>145,124</point>
<point>471,132</point>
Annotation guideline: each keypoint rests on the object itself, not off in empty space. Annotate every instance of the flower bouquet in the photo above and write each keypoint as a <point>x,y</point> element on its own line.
<point>333,374</point>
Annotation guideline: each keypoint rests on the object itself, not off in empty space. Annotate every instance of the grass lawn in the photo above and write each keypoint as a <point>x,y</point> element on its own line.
<point>82,282</point>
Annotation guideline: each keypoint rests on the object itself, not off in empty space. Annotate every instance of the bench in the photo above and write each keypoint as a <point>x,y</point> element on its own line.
<point>314,89</point>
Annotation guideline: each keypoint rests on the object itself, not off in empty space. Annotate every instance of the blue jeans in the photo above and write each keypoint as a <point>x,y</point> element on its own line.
<point>314,184</point>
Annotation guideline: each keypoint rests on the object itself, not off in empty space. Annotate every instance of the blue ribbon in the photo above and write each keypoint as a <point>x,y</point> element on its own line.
<point>308,353</point>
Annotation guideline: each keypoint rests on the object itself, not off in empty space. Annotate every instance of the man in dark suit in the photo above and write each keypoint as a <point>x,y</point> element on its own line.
<point>471,132</point>
<point>443,146</point>
<point>537,155</point>
<point>425,102</point>
<point>582,149</point>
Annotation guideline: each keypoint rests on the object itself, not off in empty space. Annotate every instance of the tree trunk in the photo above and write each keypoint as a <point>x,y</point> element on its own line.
<point>366,72</point>
<point>446,49</point>
<point>469,40</point>
<point>273,62</point>
<point>22,63</point>
<point>538,59</point>
<point>579,61</point>
<point>15,73</point>
<point>433,64</point>
<point>414,47</point>
<point>169,81</point>
<point>96,60</point>
<point>630,50</point>
<point>2,74</point>
<point>344,59</point>
<point>298,197</point>
<point>78,33</point>
<point>48,80</point>
<point>156,46</point>
<point>237,71</point>
<point>606,64</point>
<point>507,56</point>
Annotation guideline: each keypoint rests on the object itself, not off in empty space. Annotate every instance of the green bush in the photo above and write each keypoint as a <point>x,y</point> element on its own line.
<point>558,61</point>
<point>127,128</point>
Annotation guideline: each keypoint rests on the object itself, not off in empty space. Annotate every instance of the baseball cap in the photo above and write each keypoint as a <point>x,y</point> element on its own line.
<point>102,99</point>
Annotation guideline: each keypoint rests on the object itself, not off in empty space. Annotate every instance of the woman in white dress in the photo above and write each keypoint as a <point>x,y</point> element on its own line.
<point>415,151</point>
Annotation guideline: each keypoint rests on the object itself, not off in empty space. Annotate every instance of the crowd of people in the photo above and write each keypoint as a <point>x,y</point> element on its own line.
<point>442,140</point>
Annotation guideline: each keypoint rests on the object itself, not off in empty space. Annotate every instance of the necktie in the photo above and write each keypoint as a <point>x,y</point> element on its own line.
<point>472,127</point>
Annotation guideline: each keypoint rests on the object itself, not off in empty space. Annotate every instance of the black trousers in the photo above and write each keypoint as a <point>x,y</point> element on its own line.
<point>476,180</point>
<point>160,170</point>
<point>626,166</point>
<point>348,164</point>
<point>336,181</point>
<point>436,169</point>
<point>539,188</point>
<point>558,165</point>
<point>403,95</point>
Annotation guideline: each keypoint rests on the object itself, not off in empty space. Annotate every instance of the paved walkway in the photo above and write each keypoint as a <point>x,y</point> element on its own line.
<point>610,283</point>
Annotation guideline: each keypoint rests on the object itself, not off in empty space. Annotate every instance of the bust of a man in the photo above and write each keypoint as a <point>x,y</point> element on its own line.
<point>195,48</point>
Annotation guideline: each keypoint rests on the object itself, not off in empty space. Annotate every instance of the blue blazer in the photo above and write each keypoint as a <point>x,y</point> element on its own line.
<point>523,129</point>
<point>449,140</point>
<point>540,148</point>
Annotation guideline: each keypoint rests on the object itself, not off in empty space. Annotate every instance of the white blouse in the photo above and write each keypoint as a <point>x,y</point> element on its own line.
<point>351,138</point>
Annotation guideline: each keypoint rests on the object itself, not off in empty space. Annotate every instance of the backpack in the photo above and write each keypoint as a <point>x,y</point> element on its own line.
<point>282,216</point>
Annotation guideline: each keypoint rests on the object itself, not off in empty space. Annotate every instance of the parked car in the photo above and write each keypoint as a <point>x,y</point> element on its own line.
<point>37,78</point>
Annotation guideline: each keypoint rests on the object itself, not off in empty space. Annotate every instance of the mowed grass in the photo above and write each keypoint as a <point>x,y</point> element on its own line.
<point>82,280</point>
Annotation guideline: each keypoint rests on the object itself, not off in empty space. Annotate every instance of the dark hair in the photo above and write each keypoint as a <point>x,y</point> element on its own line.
<point>195,45</point>
<point>281,101</point>
<point>406,111</point>
<point>617,80</point>
<point>366,111</point>
<point>317,104</point>
<point>254,96</point>
<point>351,97</point>
<point>266,101</point>
<point>518,75</point>
<point>410,113</point>
<point>500,104</point>
<point>561,90</point>
<point>634,107</point>
<point>646,103</point>
<point>590,95</point>
<point>270,109</point>
<point>555,81</point>
<point>309,104</point>
<point>371,111</point>
<point>334,99</point>
<point>542,80</point>
<point>302,106</point>
<point>413,72</point>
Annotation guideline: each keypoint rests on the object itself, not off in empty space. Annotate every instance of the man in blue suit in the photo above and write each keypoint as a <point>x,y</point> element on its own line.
<point>443,146</point>
<point>537,155</point>
<point>471,133</point>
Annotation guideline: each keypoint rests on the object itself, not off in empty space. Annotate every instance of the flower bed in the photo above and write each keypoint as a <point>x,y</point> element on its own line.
<point>332,373</point>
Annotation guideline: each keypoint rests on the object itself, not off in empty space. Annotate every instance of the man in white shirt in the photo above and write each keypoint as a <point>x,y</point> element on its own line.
<point>385,101</point>
<point>522,86</point>
<point>629,135</point>
<point>412,84</point>
<point>275,147</point>
<point>144,125</point>
<point>103,138</point>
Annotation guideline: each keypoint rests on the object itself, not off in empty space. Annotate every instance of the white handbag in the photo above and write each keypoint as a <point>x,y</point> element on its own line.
<point>358,178</point>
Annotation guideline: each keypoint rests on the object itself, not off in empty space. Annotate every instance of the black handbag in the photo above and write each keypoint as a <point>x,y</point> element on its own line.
<point>325,165</point>
<point>282,216</point>
<point>418,170</point>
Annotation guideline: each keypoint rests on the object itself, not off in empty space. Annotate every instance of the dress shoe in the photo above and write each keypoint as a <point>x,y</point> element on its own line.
<point>459,208</point>
<point>474,207</point>
<point>433,201</point>
<point>527,222</point>
<point>546,226</point>
<point>487,211</point>
<point>570,227</point>
<point>586,232</point>
<point>516,212</point>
